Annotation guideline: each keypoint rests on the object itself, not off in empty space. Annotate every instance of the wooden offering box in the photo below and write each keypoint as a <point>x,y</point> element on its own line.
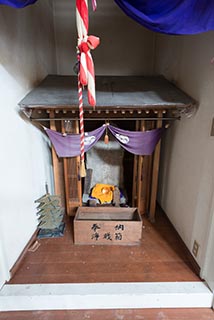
<point>107,225</point>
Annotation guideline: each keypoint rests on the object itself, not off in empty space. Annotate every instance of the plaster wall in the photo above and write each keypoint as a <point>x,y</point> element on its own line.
<point>27,55</point>
<point>126,47</point>
<point>187,173</point>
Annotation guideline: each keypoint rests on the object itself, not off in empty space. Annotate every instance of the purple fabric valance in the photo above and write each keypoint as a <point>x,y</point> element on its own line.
<point>136,142</point>
<point>69,145</point>
<point>17,3</point>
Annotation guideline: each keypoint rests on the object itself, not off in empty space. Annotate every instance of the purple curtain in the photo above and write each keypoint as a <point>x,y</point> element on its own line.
<point>136,142</point>
<point>171,16</point>
<point>17,3</point>
<point>69,145</point>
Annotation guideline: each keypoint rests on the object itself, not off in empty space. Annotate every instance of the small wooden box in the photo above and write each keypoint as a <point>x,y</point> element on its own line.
<point>107,225</point>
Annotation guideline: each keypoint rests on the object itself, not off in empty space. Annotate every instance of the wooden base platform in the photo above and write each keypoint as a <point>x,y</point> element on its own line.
<point>160,257</point>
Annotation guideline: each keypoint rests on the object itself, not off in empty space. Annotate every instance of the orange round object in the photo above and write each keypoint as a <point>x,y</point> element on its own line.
<point>105,190</point>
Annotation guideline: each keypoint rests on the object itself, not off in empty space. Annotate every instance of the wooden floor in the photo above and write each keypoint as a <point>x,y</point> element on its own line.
<point>160,257</point>
<point>130,314</point>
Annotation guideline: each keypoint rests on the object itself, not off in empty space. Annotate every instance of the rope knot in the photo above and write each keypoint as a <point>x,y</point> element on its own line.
<point>91,43</point>
<point>86,62</point>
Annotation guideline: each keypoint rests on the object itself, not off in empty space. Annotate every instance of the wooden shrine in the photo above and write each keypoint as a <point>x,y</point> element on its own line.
<point>148,102</point>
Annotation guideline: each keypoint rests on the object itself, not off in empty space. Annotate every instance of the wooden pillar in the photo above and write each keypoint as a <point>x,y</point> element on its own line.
<point>149,173</point>
<point>140,175</point>
<point>155,172</point>
<point>135,174</point>
<point>65,171</point>
<point>134,183</point>
<point>79,181</point>
<point>56,168</point>
<point>72,180</point>
<point>145,179</point>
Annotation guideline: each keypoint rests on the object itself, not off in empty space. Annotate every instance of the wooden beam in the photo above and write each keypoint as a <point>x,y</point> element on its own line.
<point>155,172</point>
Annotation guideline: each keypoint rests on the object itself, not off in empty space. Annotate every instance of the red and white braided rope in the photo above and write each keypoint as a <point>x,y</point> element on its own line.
<point>80,96</point>
<point>86,74</point>
<point>85,44</point>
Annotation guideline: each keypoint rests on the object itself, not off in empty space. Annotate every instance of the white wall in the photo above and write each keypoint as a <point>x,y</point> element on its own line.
<point>187,171</point>
<point>27,55</point>
<point>126,47</point>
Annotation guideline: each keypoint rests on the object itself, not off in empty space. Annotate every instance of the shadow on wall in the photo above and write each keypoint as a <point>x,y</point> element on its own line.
<point>126,48</point>
<point>27,49</point>
<point>167,150</point>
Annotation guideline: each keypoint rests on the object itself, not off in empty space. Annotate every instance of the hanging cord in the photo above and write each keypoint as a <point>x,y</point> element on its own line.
<point>82,134</point>
<point>86,68</point>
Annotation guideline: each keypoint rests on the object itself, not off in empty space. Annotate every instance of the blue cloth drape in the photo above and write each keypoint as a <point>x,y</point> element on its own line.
<point>164,16</point>
<point>171,16</point>
<point>17,3</point>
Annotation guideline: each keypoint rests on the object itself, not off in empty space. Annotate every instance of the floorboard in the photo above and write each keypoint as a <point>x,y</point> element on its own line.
<point>129,314</point>
<point>161,256</point>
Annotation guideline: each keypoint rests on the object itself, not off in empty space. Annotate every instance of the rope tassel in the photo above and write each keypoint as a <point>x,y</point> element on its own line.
<point>106,138</point>
<point>82,169</point>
